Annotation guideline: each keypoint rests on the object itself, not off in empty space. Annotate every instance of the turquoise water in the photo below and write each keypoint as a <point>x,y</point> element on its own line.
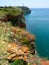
<point>37,23</point>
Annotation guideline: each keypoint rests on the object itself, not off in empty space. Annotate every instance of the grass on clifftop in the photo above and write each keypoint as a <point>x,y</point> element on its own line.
<point>10,10</point>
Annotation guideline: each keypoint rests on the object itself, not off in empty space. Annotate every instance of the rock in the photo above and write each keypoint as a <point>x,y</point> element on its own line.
<point>15,43</point>
<point>17,52</point>
<point>42,63</point>
<point>12,47</point>
<point>25,49</point>
<point>30,37</point>
<point>17,20</point>
<point>25,9</point>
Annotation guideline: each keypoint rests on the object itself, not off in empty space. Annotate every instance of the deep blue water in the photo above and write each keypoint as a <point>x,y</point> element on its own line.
<point>37,23</point>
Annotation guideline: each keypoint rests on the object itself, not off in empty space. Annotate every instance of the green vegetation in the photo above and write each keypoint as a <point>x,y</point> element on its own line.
<point>14,15</point>
<point>10,10</point>
<point>18,62</point>
<point>10,34</point>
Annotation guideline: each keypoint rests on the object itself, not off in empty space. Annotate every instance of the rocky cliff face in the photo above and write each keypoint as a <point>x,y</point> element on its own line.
<point>14,15</point>
<point>15,43</point>
<point>18,20</point>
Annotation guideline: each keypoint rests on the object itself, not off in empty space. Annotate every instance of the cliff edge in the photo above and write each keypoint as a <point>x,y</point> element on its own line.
<point>25,9</point>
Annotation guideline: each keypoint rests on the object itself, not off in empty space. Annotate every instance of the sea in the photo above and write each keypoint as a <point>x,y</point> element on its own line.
<point>37,23</point>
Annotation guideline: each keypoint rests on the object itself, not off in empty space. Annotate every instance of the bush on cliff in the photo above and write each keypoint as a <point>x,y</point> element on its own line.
<point>13,14</point>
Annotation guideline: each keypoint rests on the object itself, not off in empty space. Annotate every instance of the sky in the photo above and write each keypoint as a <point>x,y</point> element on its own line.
<point>29,3</point>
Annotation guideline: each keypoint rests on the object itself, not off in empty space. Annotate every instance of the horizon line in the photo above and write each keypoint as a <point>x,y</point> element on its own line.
<point>22,6</point>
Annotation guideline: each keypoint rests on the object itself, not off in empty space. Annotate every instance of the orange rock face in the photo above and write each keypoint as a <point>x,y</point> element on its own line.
<point>43,63</point>
<point>30,37</point>
<point>17,51</point>
<point>25,49</point>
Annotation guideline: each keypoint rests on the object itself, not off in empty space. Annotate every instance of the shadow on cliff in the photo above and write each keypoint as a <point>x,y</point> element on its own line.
<point>18,20</point>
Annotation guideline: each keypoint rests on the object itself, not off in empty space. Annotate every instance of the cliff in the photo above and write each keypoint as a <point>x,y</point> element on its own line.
<point>25,9</point>
<point>14,15</point>
<point>15,44</point>
<point>16,20</point>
